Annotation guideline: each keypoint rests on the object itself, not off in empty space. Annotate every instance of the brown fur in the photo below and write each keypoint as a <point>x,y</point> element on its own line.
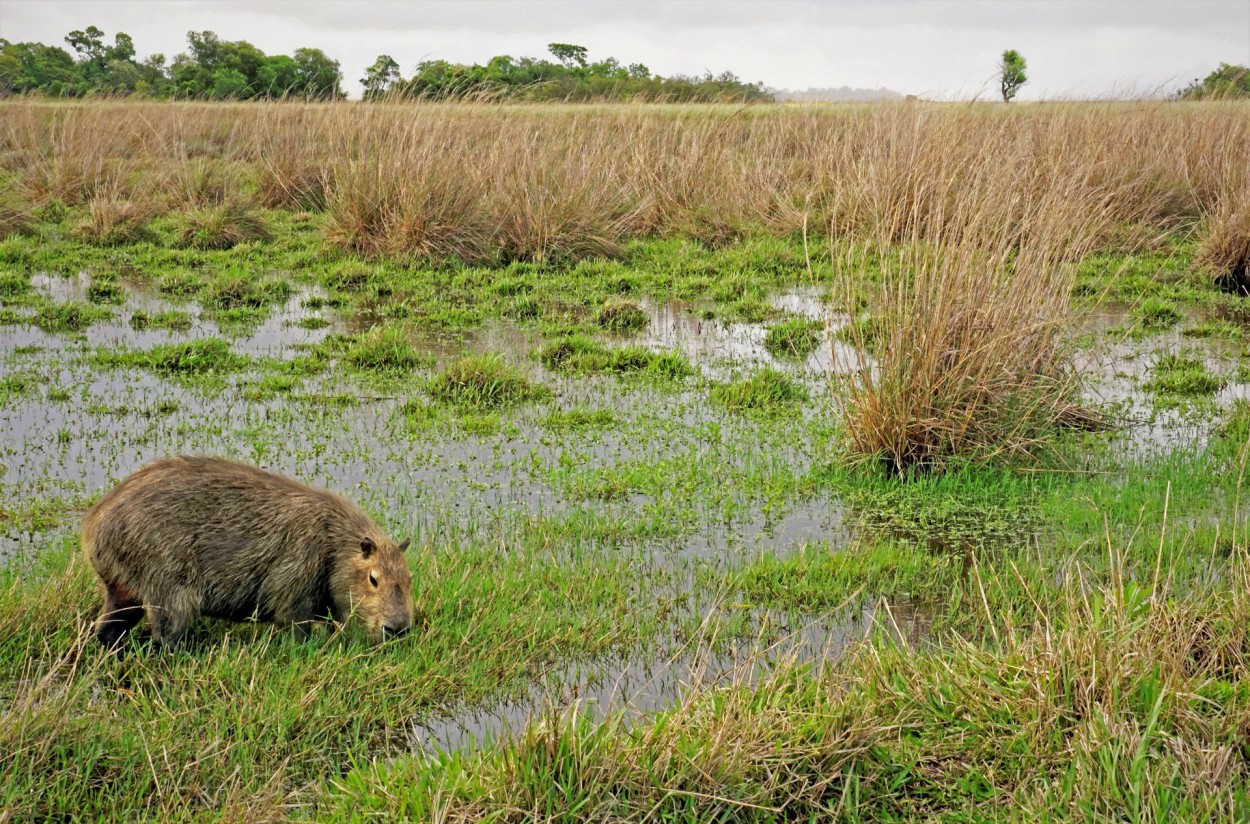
<point>202,536</point>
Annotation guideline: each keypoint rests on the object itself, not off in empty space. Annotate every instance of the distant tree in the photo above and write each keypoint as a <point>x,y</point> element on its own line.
<point>569,55</point>
<point>278,76</point>
<point>379,77</point>
<point>1226,82</point>
<point>1012,74</point>
<point>123,48</point>
<point>320,78</point>
<point>89,44</point>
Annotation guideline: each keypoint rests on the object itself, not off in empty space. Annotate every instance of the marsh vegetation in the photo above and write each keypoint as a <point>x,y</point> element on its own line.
<point>861,463</point>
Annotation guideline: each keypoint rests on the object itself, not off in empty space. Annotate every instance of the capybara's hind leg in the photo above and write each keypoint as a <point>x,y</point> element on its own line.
<point>122,610</point>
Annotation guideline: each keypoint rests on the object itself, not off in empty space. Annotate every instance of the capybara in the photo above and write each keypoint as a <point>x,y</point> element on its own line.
<point>195,536</point>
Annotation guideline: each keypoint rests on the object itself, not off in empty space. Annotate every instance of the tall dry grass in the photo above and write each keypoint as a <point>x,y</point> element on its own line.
<point>971,252</point>
<point>486,181</point>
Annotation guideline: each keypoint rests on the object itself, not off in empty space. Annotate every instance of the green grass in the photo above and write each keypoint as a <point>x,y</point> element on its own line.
<point>209,356</point>
<point>269,709</point>
<point>69,317</point>
<point>766,390</point>
<point>579,418</point>
<point>1176,374</point>
<point>894,732</point>
<point>619,314</point>
<point>583,354</point>
<point>1154,314</point>
<point>172,319</point>
<point>794,337</point>
<point>484,381</point>
<point>387,350</point>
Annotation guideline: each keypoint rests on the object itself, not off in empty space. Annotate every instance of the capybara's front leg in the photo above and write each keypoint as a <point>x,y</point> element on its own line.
<point>169,622</point>
<point>299,618</point>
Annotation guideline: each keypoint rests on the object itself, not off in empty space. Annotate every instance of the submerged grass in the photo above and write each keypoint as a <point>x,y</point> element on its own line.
<point>208,356</point>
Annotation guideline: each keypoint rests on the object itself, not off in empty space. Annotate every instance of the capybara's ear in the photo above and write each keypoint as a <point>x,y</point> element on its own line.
<point>403,545</point>
<point>367,547</point>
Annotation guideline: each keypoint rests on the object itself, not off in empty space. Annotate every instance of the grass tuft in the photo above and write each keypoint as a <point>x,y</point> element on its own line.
<point>1154,314</point>
<point>208,356</point>
<point>620,314</point>
<point>69,317</point>
<point>794,337</point>
<point>112,221</point>
<point>1177,374</point>
<point>583,354</point>
<point>764,391</point>
<point>387,349</point>
<point>223,226</point>
<point>484,381</point>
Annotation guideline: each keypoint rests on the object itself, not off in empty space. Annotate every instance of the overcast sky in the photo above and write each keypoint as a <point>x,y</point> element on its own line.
<point>936,48</point>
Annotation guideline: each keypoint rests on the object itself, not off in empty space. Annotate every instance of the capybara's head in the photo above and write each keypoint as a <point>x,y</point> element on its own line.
<point>379,587</point>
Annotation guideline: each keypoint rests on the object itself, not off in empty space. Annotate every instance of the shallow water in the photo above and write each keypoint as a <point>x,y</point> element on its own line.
<point>635,687</point>
<point>81,429</point>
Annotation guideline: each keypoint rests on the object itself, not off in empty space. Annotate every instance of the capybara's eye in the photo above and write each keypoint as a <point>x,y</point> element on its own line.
<point>373,579</point>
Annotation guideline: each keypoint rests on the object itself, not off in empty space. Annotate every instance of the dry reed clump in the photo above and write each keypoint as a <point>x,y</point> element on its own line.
<point>116,218</point>
<point>485,181</point>
<point>967,356</point>
<point>1224,245</point>
<point>202,183</point>
<point>223,226</point>
<point>15,214</point>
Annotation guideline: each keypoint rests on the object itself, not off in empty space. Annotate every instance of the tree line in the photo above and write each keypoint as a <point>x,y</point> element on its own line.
<point>572,76</point>
<point>211,68</point>
<point>217,69</point>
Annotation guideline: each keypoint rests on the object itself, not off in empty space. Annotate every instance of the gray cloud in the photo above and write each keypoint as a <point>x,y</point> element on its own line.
<point>942,48</point>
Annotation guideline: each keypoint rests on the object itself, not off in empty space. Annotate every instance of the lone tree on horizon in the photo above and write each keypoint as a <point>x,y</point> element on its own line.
<point>1011,74</point>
